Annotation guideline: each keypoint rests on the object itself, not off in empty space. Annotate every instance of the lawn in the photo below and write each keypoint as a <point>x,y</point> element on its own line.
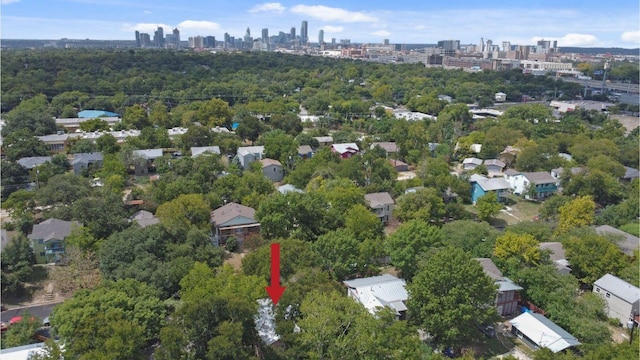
<point>521,210</point>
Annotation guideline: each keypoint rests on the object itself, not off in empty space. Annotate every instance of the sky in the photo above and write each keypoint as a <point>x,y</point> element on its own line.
<point>586,23</point>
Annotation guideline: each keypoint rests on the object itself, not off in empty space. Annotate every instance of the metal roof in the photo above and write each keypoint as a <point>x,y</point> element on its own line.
<point>148,154</point>
<point>493,184</point>
<point>33,161</point>
<point>544,332</point>
<point>53,229</point>
<point>626,242</point>
<point>619,288</point>
<point>346,148</point>
<point>201,150</point>
<point>380,199</point>
<point>97,114</point>
<point>87,157</point>
<point>380,291</point>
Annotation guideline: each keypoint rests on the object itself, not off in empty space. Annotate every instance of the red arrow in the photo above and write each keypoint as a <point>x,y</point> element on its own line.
<point>275,290</point>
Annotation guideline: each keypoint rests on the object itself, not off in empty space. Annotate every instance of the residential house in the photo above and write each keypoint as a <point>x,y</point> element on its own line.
<point>248,154</point>
<point>625,241</point>
<point>621,298</point>
<point>506,302</point>
<point>500,97</point>
<point>537,331</point>
<point>86,161</point>
<point>558,173</point>
<point>382,204</point>
<point>345,150</point>
<point>389,147</point>
<point>272,169</point>
<point>47,239</point>
<point>378,292</point>
<point>144,218</point>
<point>324,140</point>
<point>33,161</point>
<point>556,254</point>
<point>58,142</point>
<point>481,186</point>
<point>233,220</point>
<point>143,160</point>
<point>475,148</point>
<point>494,166</point>
<point>399,165</point>
<point>305,151</point>
<point>471,163</point>
<point>541,183</point>
<point>204,150</point>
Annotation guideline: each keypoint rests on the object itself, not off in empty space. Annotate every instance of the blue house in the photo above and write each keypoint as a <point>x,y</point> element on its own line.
<point>481,186</point>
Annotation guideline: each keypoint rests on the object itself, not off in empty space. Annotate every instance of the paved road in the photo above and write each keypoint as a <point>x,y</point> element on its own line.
<point>618,87</point>
<point>40,311</point>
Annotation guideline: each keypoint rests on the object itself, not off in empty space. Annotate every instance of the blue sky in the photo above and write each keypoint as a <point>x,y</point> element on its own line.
<point>573,23</point>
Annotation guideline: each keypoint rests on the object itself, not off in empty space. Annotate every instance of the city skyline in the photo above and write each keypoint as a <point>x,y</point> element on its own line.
<point>571,23</point>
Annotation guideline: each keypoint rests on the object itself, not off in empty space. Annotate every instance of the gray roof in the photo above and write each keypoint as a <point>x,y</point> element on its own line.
<point>493,184</point>
<point>619,288</point>
<point>387,146</point>
<point>144,218</point>
<point>201,150</point>
<point>269,162</point>
<point>472,160</point>
<point>373,280</point>
<point>304,149</point>
<point>246,150</point>
<point>494,162</point>
<point>33,161</point>
<point>628,243</point>
<point>53,229</point>
<point>556,249</point>
<point>380,199</point>
<point>87,157</point>
<point>490,269</point>
<point>631,173</point>
<point>540,177</point>
<point>148,154</point>
<point>380,291</point>
<point>225,213</point>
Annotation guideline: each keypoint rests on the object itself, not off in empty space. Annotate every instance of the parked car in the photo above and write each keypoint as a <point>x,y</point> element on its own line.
<point>45,322</point>
<point>488,330</point>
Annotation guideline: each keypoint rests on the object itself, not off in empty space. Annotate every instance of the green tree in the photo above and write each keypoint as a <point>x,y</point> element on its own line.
<point>63,189</point>
<point>289,123</point>
<point>116,318</point>
<point>21,143</point>
<point>135,117</point>
<point>184,211</point>
<point>576,213</point>
<point>92,125</point>
<point>17,260</point>
<point>249,128</point>
<point>341,254</point>
<point>592,256</point>
<point>22,332</point>
<point>107,144</point>
<point>409,242</point>
<point>488,206</point>
<point>33,115</point>
<point>50,351</point>
<point>298,254</point>
<point>449,297</point>
<point>280,146</point>
<point>425,204</point>
<point>521,248</point>
<point>476,238</point>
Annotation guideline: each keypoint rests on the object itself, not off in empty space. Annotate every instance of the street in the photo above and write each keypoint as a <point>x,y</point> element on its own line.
<point>39,311</point>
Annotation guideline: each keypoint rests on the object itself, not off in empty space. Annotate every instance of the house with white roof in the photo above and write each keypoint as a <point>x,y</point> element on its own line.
<point>539,332</point>
<point>481,185</point>
<point>622,299</point>
<point>378,292</point>
<point>471,163</point>
<point>541,182</point>
<point>345,150</point>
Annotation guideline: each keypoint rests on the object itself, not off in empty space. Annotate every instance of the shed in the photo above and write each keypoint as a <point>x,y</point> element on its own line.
<point>539,332</point>
<point>622,299</point>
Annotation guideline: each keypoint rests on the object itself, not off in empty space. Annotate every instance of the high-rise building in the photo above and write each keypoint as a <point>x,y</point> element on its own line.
<point>385,41</point>
<point>145,40</point>
<point>138,38</point>
<point>210,42</point>
<point>176,37</point>
<point>304,33</point>
<point>265,36</point>
<point>196,42</point>
<point>321,37</point>
<point>292,33</point>
<point>449,47</point>
<point>158,37</point>
<point>506,46</point>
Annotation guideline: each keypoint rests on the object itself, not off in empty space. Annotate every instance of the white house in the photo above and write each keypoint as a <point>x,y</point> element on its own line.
<point>622,299</point>
<point>544,185</point>
<point>494,165</point>
<point>501,97</point>
<point>378,292</point>
<point>248,154</point>
<point>539,332</point>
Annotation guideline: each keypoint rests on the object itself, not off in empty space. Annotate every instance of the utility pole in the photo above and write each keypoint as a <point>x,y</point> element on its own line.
<point>604,78</point>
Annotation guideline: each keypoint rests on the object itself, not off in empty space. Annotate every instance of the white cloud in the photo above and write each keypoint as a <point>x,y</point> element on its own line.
<point>631,37</point>
<point>147,12</point>
<point>144,27</point>
<point>332,29</point>
<point>198,25</point>
<point>332,14</point>
<point>7,2</point>
<point>572,40</point>
<point>268,7</point>
<point>381,33</point>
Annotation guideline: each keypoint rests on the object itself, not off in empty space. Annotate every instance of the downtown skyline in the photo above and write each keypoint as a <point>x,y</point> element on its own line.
<point>571,23</point>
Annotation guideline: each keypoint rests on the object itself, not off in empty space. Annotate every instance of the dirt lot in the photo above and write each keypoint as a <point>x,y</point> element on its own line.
<point>235,260</point>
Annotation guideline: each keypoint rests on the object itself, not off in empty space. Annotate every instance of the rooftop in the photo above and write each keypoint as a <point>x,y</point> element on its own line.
<point>33,161</point>
<point>619,288</point>
<point>544,332</point>
<point>53,229</point>
<point>201,150</point>
<point>380,199</point>
<point>232,210</point>
<point>625,241</point>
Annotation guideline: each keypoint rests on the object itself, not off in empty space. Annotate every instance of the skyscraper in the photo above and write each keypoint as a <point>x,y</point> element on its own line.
<point>176,37</point>
<point>137,38</point>
<point>158,37</point>
<point>293,33</point>
<point>321,37</point>
<point>304,33</point>
<point>265,36</point>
